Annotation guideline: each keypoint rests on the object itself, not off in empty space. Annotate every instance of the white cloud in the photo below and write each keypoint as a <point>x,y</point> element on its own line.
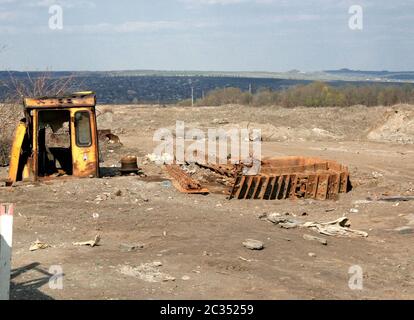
<point>213,2</point>
<point>122,28</point>
<point>7,15</point>
<point>135,27</point>
<point>63,3</point>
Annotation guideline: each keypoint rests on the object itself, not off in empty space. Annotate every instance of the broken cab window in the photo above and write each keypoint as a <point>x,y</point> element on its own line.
<point>83,129</point>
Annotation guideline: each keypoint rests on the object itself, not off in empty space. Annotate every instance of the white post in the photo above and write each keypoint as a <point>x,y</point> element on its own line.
<point>6,236</point>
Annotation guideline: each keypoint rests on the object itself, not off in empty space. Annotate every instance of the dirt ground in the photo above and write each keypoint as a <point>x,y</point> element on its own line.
<point>157,243</point>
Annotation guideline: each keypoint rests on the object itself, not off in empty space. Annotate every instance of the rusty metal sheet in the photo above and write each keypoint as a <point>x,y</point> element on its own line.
<point>81,99</point>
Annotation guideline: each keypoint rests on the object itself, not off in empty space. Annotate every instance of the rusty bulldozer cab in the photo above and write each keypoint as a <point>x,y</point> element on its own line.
<point>58,137</point>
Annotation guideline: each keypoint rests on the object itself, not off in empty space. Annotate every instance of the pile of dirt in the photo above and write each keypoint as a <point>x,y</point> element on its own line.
<point>397,127</point>
<point>270,132</point>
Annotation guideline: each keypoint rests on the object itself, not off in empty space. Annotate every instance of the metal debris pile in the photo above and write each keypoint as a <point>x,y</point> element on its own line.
<point>272,179</point>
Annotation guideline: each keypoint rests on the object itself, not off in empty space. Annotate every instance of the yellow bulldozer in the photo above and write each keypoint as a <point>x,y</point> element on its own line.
<point>57,137</point>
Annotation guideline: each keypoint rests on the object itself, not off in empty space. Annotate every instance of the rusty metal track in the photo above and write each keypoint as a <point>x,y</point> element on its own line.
<point>293,177</point>
<point>182,181</point>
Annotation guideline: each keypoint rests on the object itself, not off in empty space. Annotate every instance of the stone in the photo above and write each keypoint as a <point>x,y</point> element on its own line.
<point>253,244</point>
<point>283,221</point>
<point>131,247</point>
<point>404,230</point>
<point>166,184</point>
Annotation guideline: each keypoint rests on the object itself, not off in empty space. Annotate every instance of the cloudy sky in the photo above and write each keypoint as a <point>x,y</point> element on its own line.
<point>223,35</point>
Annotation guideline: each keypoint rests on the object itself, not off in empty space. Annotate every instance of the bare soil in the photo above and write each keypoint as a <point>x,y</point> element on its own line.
<point>159,243</point>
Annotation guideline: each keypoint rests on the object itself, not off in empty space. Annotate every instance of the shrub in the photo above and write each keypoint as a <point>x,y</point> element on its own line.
<point>315,94</point>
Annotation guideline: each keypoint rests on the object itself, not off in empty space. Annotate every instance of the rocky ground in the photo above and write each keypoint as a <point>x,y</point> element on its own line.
<point>159,243</point>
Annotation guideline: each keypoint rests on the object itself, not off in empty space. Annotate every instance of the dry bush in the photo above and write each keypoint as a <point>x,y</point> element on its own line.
<point>11,111</point>
<point>40,86</point>
<point>315,94</point>
<point>10,114</point>
<point>225,96</point>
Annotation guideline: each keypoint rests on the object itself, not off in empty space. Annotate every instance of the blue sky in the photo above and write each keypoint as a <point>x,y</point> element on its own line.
<point>222,35</point>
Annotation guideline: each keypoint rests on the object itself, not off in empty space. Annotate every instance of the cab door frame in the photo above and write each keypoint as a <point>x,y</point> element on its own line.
<point>85,158</point>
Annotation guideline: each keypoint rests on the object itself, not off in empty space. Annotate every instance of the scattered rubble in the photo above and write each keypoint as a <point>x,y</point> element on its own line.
<point>165,158</point>
<point>149,272</point>
<point>131,247</point>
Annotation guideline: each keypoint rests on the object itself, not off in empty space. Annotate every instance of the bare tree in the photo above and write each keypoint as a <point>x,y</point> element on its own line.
<point>11,110</point>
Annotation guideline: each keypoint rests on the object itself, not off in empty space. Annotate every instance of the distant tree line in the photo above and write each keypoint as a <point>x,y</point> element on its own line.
<point>316,94</point>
